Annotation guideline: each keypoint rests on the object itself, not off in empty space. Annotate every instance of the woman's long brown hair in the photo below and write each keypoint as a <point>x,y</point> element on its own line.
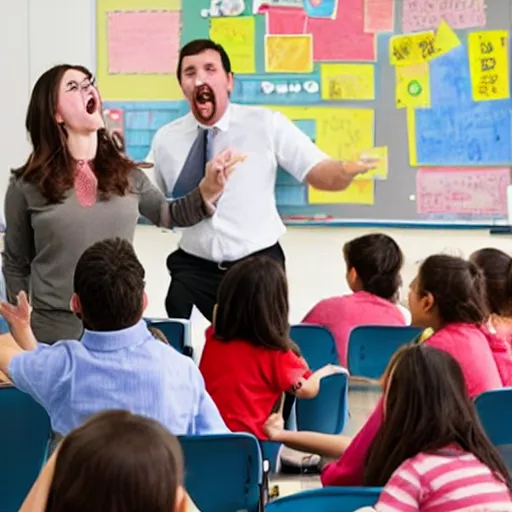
<point>117,462</point>
<point>50,166</point>
<point>427,408</point>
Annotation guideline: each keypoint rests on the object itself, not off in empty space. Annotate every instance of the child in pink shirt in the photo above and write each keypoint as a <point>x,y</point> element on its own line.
<point>373,266</point>
<point>448,295</point>
<point>431,452</point>
<point>497,268</point>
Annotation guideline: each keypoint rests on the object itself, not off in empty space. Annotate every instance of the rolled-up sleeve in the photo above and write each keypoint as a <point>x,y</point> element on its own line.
<point>39,373</point>
<point>18,243</point>
<point>295,152</point>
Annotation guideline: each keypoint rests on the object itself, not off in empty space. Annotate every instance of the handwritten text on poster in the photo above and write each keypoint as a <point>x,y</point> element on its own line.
<point>347,81</point>
<point>488,64</point>
<point>477,191</point>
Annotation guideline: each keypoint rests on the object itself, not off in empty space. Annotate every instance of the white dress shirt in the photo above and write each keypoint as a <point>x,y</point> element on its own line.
<point>246,219</point>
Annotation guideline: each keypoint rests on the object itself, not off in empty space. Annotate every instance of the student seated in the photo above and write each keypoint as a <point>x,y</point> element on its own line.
<point>448,295</point>
<point>373,266</point>
<point>248,360</point>
<point>118,364</point>
<point>431,452</point>
<point>115,462</point>
<point>497,268</point>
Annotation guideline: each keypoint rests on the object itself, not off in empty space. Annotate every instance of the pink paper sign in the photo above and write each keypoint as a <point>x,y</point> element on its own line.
<point>285,20</point>
<point>379,16</point>
<point>343,38</point>
<point>143,41</point>
<point>463,190</point>
<point>427,14</point>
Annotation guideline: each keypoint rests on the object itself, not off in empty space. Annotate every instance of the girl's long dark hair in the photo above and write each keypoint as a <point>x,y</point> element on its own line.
<point>50,166</point>
<point>427,408</point>
<point>252,305</point>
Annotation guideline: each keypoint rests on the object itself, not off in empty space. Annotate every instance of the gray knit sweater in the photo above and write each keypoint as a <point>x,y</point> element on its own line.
<point>43,243</point>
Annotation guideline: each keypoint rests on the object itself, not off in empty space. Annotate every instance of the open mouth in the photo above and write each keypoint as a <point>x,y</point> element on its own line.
<point>204,102</point>
<point>91,105</point>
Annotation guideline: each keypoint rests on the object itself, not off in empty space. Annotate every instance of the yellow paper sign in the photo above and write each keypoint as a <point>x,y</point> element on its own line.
<point>237,36</point>
<point>381,171</point>
<point>412,48</point>
<point>488,64</point>
<point>411,137</point>
<point>359,192</point>
<point>347,81</point>
<point>289,53</point>
<point>446,39</point>
<point>412,86</point>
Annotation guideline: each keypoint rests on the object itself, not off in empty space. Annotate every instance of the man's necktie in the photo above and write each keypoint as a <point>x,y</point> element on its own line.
<point>193,168</point>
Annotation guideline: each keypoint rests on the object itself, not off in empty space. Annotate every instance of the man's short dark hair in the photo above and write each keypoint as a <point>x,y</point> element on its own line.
<point>109,281</point>
<point>198,46</point>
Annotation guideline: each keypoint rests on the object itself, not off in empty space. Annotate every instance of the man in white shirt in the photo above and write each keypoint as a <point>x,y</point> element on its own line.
<point>245,220</point>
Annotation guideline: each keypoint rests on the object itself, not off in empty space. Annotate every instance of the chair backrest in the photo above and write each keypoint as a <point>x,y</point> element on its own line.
<point>176,330</point>
<point>24,440</point>
<point>494,409</point>
<point>328,411</point>
<point>328,499</point>
<point>223,472</point>
<point>370,348</point>
<point>316,344</point>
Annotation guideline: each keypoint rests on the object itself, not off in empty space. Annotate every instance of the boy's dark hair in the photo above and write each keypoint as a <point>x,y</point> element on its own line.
<point>252,305</point>
<point>378,261</point>
<point>427,409</point>
<point>458,288</point>
<point>198,46</point>
<point>109,281</point>
<point>117,461</point>
<point>496,266</point>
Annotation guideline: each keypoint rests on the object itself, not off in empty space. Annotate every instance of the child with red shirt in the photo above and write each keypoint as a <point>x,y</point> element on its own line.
<point>249,360</point>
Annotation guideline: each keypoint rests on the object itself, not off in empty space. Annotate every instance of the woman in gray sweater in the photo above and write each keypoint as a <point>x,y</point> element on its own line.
<point>75,189</point>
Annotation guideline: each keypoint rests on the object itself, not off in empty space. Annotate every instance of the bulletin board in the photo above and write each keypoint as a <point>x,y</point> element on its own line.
<point>422,84</point>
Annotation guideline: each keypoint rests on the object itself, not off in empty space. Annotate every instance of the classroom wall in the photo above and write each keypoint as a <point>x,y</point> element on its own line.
<point>36,34</point>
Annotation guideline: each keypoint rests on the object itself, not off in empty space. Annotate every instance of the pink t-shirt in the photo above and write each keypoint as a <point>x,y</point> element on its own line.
<point>446,481</point>
<point>486,365</point>
<point>342,314</point>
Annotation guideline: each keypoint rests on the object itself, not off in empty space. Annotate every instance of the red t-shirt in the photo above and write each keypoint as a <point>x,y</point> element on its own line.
<point>246,381</point>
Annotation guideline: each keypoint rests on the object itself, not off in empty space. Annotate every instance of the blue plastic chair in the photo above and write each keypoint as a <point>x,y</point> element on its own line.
<point>328,499</point>
<point>25,433</point>
<point>370,348</point>
<point>328,411</point>
<point>177,331</point>
<point>270,453</point>
<point>316,344</point>
<point>495,411</point>
<point>223,472</point>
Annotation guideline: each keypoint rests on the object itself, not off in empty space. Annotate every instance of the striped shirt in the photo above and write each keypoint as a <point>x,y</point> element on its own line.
<point>447,481</point>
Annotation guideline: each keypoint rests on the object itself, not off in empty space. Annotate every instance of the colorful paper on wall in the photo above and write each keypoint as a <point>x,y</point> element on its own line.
<point>321,8</point>
<point>476,134</point>
<point>477,191</point>
<point>409,49</point>
<point>282,20</point>
<point>359,192</point>
<point>288,54</point>
<point>446,39</point>
<point>342,38</point>
<point>114,120</point>
<point>347,82</point>
<point>426,14</point>
<point>237,36</point>
<point>143,42</point>
<point>381,171</point>
<point>413,86</point>
<point>489,64</point>
<point>379,16</point>
<point>343,132</point>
